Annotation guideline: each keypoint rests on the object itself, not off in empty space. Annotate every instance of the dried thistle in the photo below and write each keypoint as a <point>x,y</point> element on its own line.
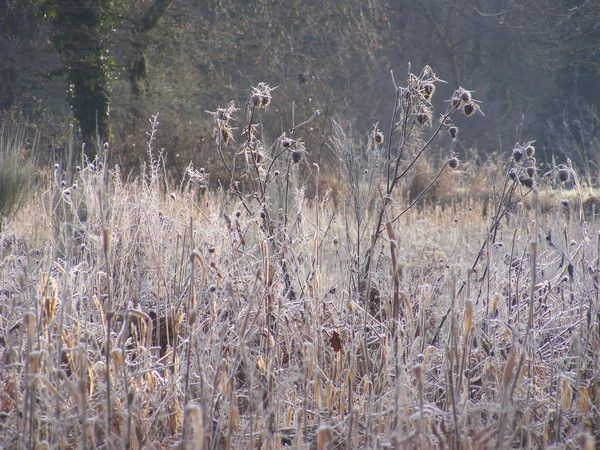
<point>530,150</point>
<point>517,154</point>
<point>261,95</point>
<point>427,90</point>
<point>564,174</point>
<point>424,116</point>
<point>469,109</point>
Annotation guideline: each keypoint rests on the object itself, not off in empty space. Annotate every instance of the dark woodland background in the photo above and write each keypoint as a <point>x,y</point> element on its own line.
<point>84,67</point>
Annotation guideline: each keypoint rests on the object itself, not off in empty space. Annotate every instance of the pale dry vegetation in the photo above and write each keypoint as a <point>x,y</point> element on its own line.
<point>150,314</point>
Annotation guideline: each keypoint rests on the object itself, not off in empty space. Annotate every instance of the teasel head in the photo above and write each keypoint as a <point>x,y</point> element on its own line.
<point>287,142</point>
<point>424,116</point>
<point>530,150</point>
<point>564,174</point>
<point>378,137</point>
<point>465,96</point>
<point>517,154</point>
<point>453,131</point>
<point>296,156</point>
<point>261,95</point>
<point>454,162</point>
<point>526,181</point>
<point>530,171</point>
<point>469,109</point>
<point>427,90</point>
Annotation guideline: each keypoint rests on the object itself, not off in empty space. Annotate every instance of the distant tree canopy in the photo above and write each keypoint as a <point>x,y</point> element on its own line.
<point>535,64</point>
<point>80,37</point>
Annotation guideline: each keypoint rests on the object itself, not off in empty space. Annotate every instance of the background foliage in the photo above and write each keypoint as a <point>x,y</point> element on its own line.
<point>114,63</point>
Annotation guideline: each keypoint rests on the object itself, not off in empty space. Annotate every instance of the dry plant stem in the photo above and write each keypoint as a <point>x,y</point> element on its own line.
<point>533,256</point>
<point>109,315</point>
<point>189,311</point>
<point>391,134</point>
<point>510,267</point>
<point>395,179</point>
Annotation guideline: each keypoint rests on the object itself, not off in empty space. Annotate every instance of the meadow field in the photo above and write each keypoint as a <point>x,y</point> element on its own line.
<point>412,296</point>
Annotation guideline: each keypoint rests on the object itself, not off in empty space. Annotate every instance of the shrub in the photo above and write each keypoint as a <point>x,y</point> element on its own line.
<point>16,169</point>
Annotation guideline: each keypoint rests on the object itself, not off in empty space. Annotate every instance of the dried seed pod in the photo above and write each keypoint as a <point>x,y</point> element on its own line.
<point>296,156</point>
<point>512,173</point>
<point>526,181</point>
<point>427,90</point>
<point>531,171</point>
<point>378,137</point>
<point>453,162</point>
<point>564,174</point>
<point>423,117</point>
<point>453,132</point>
<point>455,102</point>
<point>530,150</point>
<point>517,154</point>
<point>469,109</point>
<point>465,96</point>
<point>256,100</point>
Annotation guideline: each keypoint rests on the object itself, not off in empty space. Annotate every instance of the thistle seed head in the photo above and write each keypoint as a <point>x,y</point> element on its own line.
<point>469,109</point>
<point>453,132</point>
<point>517,154</point>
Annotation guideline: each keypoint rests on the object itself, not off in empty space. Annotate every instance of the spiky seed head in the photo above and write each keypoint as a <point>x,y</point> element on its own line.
<point>256,100</point>
<point>427,90</point>
<point>531,171</point>
<point>453,162</point>
<point>530,150</point>
<point>465,96</point>
<point>453,132</point>
<point>517,154</point>
<point>296,156</point>
<point>526,181</point>
<point>469,109</point>
<point>423,118</point>
<point>287,142</point>
<point>455,102</point>
<point>564,174</point>
<point>512,173</point>
<point>379,138</point>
